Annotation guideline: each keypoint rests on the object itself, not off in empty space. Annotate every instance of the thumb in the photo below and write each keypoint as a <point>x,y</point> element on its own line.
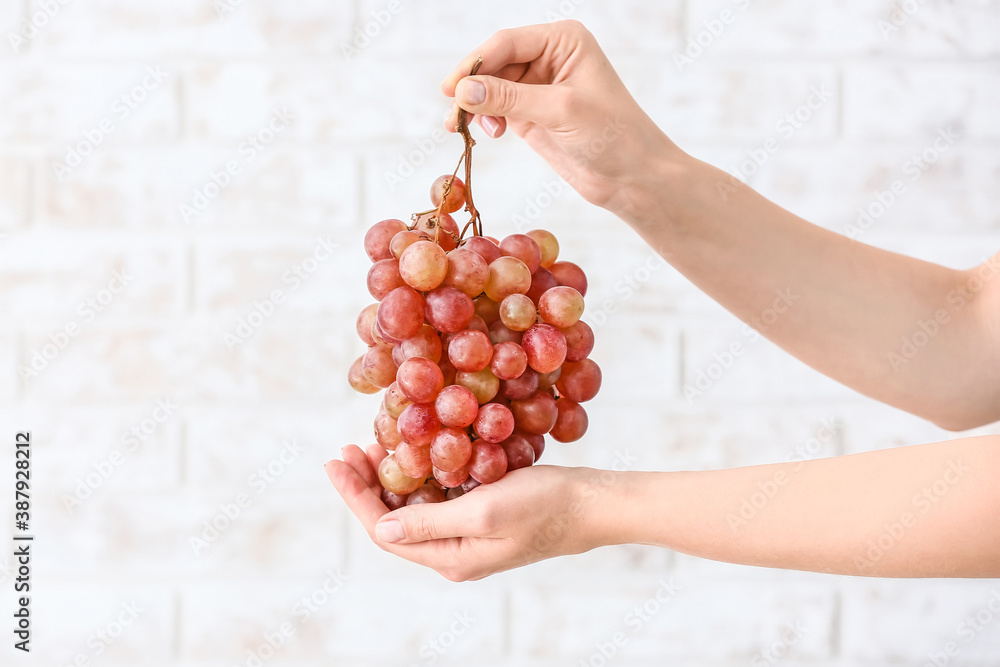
<point>492,96</point>
<point>427,521</point>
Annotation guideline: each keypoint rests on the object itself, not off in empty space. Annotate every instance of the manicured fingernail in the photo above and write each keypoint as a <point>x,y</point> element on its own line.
<point>491,125</point>
<point>390,531</point>
<point>473,92</point>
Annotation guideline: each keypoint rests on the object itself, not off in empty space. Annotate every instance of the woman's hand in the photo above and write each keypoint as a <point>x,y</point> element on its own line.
<point>530,515</point>
<point>555,88</point>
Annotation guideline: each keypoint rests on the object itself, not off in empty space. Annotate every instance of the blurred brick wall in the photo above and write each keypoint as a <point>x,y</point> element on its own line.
<point>173,425</point>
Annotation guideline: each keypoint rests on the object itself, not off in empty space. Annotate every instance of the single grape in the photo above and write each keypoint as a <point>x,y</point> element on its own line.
<point>571,421</point>
<point>448,370</point>
<point>448,309</point>
<point>524,248</point>
<point>426,343</point>
<point>394,480</point>
<point>447,237</point>
<point>570,275</point>
<point>386,433</point>
<point>537,442</point>
<point>378,367</point>
<point>404,239</point>
<point>483,384</point>
<point>456,406</point>
<point>467,271</point>
<point>509,360</point>
<point>450,449</point>
<point>477,324</point>
<point>494,423</point>
<point>488,462</point>
<point>508,275</point>
<point>580,380</point>
<point>483,247</point>
<point>470,351</point>
<point>469,484</point>
<point>546,380</point>
<point>358,381</point>
<point>547,244</point>
<point>579,341</point>
<point>455,492</point>
<point>364,323</point>
<point>535,414</point>
<point>455,199</point>
<point>393,401</point>
<point>418,424</point>
<point>542,280</point>
<point>561,306</point>
<point>414,460</point>
<point>397,355</point>
<point>517,312</point>
<point>487,309</point>
<point>423,265</point>
<point>545,346</point>
<point>383,277</point>
<point>380,336</point>
<point>378,236</point>
<point>392,500</point>
<point>401,313</point>
<point>428,493</point>
<point>420,379</point>
<point>521,387</point>
<point>499,333</point>
<point>520,453</point>
<point>452,480</point>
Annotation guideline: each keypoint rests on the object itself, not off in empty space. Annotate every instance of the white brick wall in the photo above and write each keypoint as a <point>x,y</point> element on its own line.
<point>354,120</point>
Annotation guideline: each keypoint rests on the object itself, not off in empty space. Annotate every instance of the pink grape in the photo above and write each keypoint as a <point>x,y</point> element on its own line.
<point>571,422</point>
<point>418,424</point>
<point>386,433</point>
<point>448,309</point>
<point>447,237</point>
<point>487,309</point>
<point>456,406</point>
<point>509,360</point>
<point>395,480</point>
<point>380,336</point>
<point>494,423</point>
<point>520,453</point>
<point>470,483</point>
<point>401,313</point>
<point>393,501</point>
<point>579,341</point>
<point>404,239</point>
<point>470,351</point>
<point>535,414</point>
<point>378,367</point>
<point>499,333</point>
<point>364,323</point>
<point>508,275</point>
<point>423,265</point>
<point>536,441</point>
<point>546,380</point>
<point>414,460</point>
<point>378,236</point>
<point>397,355</point>
<point>452,480</point>
<point>428,493</point>
<point>455,198</point>
<point>483,384</point>
<point>477,324</point>
<point>547,245</point>
<point>467,271</point>
<point>542,280</point>
<point>426,343</point>
<point>450,449</point>
<point>488,462</point>
<point>517,312</point>
<point>570,275</point>
<point>420,379</point>
<point>394,402</point>
<point>358,381</point>
<point>561,306</point>
<point>524,248</point>
<point>448,370</point>
<point>580,380</point>
<point>521,387</point>
<point>545,346</point>
<point>383,277</point>
<point>483,247</point>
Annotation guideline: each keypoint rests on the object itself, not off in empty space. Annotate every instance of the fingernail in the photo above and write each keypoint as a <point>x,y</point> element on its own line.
<point>473,92</point>
<point>491,125</point>
<point>390,531</point>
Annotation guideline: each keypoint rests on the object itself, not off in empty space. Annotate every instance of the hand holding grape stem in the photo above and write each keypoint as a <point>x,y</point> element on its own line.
<point>848,311</point>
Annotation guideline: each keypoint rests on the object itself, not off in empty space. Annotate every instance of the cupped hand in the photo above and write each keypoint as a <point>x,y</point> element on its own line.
<point>529,515</point>
<point>553,86</point>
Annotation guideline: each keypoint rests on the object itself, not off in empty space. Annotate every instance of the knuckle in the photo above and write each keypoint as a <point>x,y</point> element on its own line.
<point>484,519</point>
<point>423,527</point>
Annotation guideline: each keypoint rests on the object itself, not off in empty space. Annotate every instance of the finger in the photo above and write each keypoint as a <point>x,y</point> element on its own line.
<point>363,502</point>
<point>375,453</point>
<point>432,521</point>
<point>506,47</point>
<point>490,96</point>
<point>354,457</point>
<point>492,125</point>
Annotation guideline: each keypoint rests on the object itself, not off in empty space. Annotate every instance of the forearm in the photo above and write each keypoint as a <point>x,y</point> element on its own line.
<point>923,511</point>
<point>843,307</point>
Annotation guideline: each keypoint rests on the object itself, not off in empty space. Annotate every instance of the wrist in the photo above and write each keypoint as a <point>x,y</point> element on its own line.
<point>607,506</point>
